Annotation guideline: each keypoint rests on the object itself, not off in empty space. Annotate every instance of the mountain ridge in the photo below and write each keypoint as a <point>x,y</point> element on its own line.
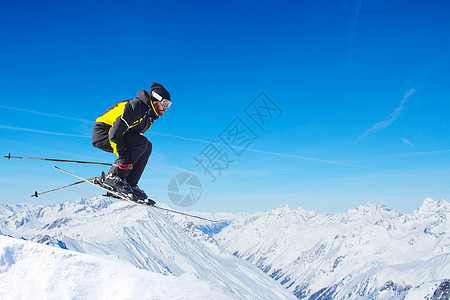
<point>369,251</point>
<point>346,255</point>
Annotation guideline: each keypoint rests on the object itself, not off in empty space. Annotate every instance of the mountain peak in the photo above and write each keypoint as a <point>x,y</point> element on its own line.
<point>282,208</point>
<point>431,205</point>
<point>368,208</point>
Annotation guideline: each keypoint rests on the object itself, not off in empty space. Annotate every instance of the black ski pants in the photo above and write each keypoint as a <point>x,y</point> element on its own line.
<point>139,149</point>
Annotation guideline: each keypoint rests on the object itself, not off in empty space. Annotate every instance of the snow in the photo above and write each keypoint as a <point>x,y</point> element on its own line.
<point>33,271</point>
<point>346,255</point>
<point>144,239</point>
<point>370,252</point>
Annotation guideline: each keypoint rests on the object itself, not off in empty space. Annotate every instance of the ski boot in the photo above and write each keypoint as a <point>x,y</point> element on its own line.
<point>116,185</point>
<point>147,201</point>
<point>141,196</point>
<point>138,193</point>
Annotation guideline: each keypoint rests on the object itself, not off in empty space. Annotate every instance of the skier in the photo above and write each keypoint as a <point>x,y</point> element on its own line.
<point>119,130</point>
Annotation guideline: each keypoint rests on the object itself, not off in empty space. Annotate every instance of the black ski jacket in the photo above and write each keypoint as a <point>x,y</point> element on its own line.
<point>135,115</point>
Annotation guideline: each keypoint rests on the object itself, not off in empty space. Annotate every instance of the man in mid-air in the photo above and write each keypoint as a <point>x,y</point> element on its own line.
<point>119,130</point>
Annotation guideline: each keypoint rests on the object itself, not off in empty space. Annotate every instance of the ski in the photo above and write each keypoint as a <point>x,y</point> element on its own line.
<point>117,195</point>
<point>123,198</point>
<point>184,214</point>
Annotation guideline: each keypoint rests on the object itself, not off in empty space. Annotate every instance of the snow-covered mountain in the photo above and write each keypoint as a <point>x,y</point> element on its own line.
<point>33,271</point>
<point>141,238</point>
<point>370,251</point>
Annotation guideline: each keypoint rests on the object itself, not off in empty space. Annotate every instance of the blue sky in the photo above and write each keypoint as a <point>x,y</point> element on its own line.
<point>361,87</point>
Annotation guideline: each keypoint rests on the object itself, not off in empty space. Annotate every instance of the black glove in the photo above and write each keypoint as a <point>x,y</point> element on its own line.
<point>123,163</point>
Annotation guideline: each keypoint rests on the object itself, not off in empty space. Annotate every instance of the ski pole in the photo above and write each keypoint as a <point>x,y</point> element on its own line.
<point>36,194</point>
<point>59,160</point>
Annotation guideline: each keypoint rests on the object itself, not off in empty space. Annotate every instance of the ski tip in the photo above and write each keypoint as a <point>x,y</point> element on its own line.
<point>35,194</point>
<point>8,156</point>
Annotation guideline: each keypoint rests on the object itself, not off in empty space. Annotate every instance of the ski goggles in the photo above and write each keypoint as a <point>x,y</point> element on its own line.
<point>166,103</point>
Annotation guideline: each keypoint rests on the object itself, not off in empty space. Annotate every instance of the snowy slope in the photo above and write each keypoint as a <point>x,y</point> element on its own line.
<point>143,239</point>
<point>33,271</point>
<point>368,251</point>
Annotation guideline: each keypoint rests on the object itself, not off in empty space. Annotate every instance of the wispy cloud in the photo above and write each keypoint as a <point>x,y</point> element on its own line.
<point>392,117</point>
<point>45,114</point>
<point>171,136</point>
<point>355,7</point>
<point>437,152</point>
<point>408,142</point>
<point>270,153</point>
<point>42,131</point>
